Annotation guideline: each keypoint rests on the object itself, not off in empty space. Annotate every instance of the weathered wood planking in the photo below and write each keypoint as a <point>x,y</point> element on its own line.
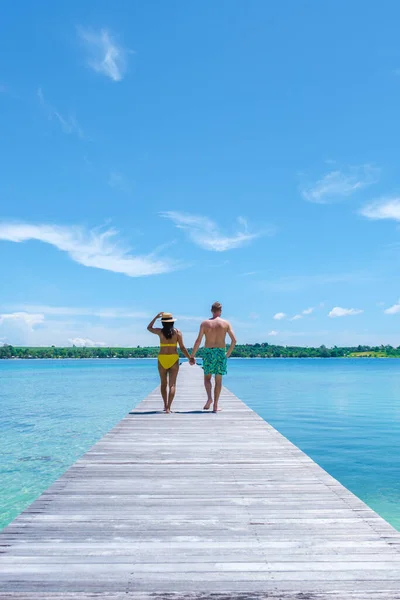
<point>195,505</point>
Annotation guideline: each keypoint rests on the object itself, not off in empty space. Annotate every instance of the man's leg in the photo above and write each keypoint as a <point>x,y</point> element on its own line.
<point>217,391</point>
<point>208,386</point>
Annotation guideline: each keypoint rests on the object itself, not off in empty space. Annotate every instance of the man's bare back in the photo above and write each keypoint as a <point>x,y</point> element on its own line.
<point>215,330</point>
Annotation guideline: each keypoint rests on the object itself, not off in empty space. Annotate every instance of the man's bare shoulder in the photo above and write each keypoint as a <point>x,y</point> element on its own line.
<point>226,323</point>
<point>221,323</point>
<point>215,324</point>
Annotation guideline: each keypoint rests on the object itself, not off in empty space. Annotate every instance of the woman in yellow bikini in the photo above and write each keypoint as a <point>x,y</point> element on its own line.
<point>168,358</point>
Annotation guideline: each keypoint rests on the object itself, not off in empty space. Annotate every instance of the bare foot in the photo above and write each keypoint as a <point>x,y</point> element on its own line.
<point>168,411</point>
<point>217,409</point>
<point>207,405</point>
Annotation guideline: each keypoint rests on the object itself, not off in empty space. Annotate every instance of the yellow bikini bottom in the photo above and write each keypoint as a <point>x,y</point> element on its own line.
<point>167,360</point>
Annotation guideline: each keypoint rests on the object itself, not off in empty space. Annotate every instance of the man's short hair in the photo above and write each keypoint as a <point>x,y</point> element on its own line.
<point>217,306</point>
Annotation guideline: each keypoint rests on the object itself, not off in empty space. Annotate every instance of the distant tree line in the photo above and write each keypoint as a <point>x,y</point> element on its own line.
<point>241,351</point>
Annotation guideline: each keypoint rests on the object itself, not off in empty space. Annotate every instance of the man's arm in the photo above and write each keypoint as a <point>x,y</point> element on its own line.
<point>198,341</point>
<point>233,340</point>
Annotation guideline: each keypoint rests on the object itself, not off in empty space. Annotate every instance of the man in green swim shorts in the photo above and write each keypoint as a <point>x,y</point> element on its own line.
<point>215,355</point>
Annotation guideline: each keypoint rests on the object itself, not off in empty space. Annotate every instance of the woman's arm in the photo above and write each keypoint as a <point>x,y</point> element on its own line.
<point>182,345</point>
<point>150,325</point>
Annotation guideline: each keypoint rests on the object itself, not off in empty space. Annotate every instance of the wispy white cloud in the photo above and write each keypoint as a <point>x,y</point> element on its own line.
<point>273,332</point>
<point>63,330</point>
<point>102,313</point>
<point>297,282</point>
<point>393,310</point>
<point>86,343</point>
<point>91,248</point>
<point>344,312</point>
<point>337,185</point>
<point>189,318</point>
<point>60,326</point>
<point>18,327</point>
<point>385,208</point>
<point>68,124</point>
<point>279,316</point>
<point>305,338</point>
<point>106,313</point>
<point>104,55</point>
<point>28,319</point>
<point>205,233</point>
<point>303,313</point>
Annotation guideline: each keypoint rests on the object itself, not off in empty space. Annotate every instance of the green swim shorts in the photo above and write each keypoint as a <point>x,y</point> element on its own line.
<point>214,361</point>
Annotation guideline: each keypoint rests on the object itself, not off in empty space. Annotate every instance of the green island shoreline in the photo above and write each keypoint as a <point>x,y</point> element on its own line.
<point>263,350</point>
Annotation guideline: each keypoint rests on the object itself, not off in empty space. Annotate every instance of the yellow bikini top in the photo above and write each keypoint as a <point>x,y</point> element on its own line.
<point>168,345</point>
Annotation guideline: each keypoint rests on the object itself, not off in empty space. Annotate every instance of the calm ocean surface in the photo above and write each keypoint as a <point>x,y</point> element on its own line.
<point>344,413</point>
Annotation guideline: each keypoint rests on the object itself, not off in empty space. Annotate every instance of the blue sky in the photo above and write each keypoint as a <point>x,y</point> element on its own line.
<point>164,155</point>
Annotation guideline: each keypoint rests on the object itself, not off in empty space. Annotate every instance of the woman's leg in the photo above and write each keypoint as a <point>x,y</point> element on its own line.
<point>172,375</point>
<point>164,382</point>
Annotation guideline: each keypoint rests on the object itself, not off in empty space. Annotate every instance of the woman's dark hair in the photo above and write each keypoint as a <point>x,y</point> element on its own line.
<point>168,330</point>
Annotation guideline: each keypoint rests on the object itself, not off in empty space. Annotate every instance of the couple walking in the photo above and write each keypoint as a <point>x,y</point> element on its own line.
<point>215,356</point>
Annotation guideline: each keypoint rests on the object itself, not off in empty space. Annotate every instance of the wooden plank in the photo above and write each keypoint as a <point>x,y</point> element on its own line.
<point>202,506</point>
<point>272,595</point>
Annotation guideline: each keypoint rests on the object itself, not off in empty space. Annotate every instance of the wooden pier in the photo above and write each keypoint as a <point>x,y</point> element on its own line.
<point>197,505</point>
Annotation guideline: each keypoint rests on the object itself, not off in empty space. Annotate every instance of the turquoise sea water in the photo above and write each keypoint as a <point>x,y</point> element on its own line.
<point>52,411</point>
<point>344,413</point>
